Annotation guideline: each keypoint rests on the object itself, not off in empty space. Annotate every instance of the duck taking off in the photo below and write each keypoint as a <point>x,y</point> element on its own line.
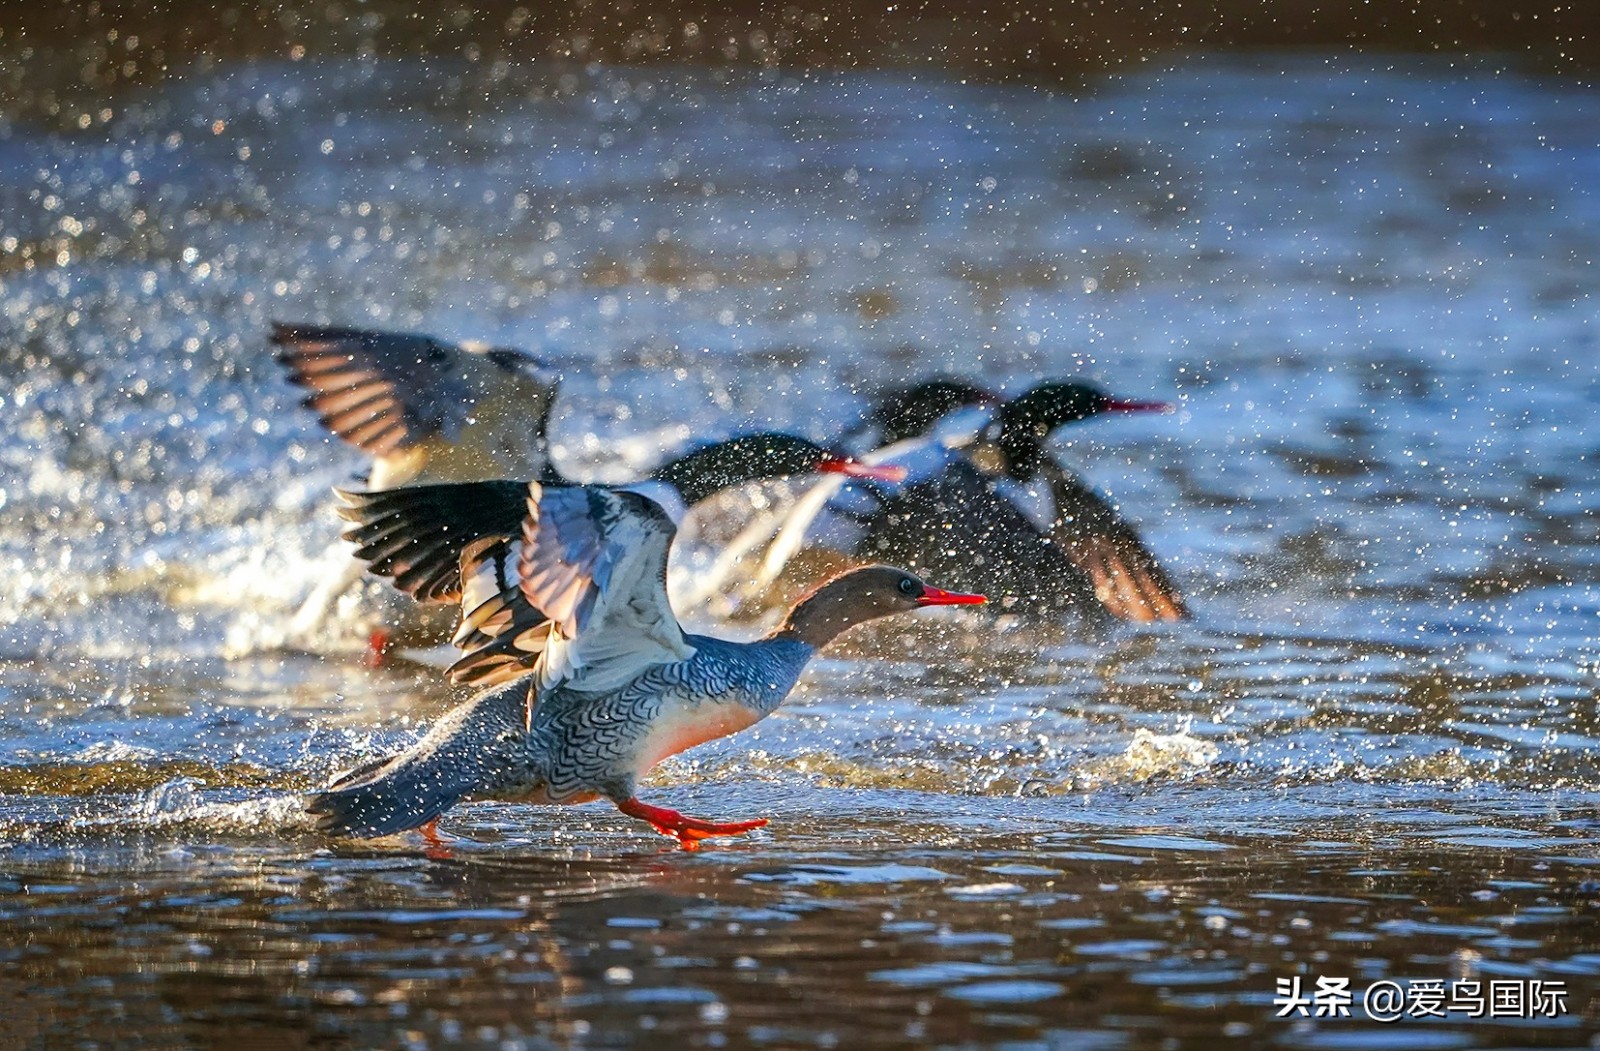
<point>424,410</point>
<point>618,685</point>
<point>989,509</point>
<point>461,543</point>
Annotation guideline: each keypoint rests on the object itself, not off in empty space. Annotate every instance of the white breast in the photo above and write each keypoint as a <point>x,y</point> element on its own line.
<point>681,727</point>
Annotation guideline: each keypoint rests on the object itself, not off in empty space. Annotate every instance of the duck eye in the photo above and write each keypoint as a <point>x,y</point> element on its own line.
<point>908,586</point>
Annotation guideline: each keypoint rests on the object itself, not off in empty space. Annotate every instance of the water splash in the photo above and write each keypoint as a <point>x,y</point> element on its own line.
<point>1148,757</point>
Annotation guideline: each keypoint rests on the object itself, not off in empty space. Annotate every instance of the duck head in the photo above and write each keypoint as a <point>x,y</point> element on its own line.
<point>861,595</point>
<point>753,457</point>
<point>1027,420</point>
<point>914,410</point>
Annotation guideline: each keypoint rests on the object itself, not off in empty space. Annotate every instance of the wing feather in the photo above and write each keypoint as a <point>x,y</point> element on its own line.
<point>505,657</point>
<point>423,386</point>
<point>363,399</point>
<point>418,534</point>
<point>594,561</point>
<point>568,581</point>
<point>1127,578</point>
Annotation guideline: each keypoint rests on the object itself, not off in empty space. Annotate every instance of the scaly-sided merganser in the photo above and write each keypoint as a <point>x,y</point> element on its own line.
<point>996,514</point>
<point>459,543</point>
<point>424,410</point>
<point>619,685</point>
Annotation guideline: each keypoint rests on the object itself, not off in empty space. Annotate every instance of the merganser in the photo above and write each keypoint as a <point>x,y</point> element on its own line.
<point>996,514</point>
<point>459,542</point>
<point>618,686</point>
<point>424,410</point>
<point>916,411</point>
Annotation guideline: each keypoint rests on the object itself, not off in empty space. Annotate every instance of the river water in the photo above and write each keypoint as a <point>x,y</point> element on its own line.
<point>1367,283</point>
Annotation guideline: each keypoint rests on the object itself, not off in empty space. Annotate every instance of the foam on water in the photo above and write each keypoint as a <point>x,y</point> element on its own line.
<point>1149,756</point>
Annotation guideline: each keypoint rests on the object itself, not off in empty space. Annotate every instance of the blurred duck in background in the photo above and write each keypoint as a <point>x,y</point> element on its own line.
<point>461,543</point>
<point>423,410</point>
<point>984,506</point>
<point>936,414</point>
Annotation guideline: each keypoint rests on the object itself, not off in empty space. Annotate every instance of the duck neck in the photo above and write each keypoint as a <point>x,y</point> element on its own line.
<point>818,619</point>
<point>1021,448</point>
<point>1027,422</point>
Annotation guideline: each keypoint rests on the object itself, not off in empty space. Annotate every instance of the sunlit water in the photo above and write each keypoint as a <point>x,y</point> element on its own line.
<point>1369,286</point>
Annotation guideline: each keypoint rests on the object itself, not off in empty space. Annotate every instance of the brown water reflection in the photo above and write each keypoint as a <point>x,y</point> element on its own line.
<point>78,51</point>
<point>1067,938</point>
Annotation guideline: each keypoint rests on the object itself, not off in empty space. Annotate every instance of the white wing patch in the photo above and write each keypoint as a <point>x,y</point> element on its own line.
<point>594,562</point>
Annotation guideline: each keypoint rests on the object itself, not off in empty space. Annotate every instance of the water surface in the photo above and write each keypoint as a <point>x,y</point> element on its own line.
<point>1367,283</point>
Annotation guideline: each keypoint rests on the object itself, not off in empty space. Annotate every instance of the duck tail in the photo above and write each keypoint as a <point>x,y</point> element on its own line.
<point>470,751</point>
<point>382,802</point>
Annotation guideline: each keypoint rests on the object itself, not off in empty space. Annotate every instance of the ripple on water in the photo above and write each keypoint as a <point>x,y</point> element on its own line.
<point>1072,923</point>
<point>1131,948</point>
<point>1017,869</point>
<point>1397,1037</point>
<point>1186,976</point>
<point>1006,992</point>
<point>986,891</point>
<point>942,973</point>
<point>1155,842</point>
<point>813,875</point>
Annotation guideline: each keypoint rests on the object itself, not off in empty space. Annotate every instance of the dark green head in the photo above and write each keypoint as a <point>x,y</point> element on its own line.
<point>1027,420</point>
<point>914,410</point>
<point>753,457</point>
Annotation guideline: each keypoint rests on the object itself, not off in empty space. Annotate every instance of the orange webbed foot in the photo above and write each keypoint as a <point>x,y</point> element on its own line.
<point>688,831</point>
<point>436,848</point>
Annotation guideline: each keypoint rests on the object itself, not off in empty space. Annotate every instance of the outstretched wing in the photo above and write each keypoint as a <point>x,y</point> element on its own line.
<point>501,635</point>
<point>418,534</point>
<point>594,561</point>
<point>476,543</point>
<point>380,391</point>
<point>1127,579</point>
